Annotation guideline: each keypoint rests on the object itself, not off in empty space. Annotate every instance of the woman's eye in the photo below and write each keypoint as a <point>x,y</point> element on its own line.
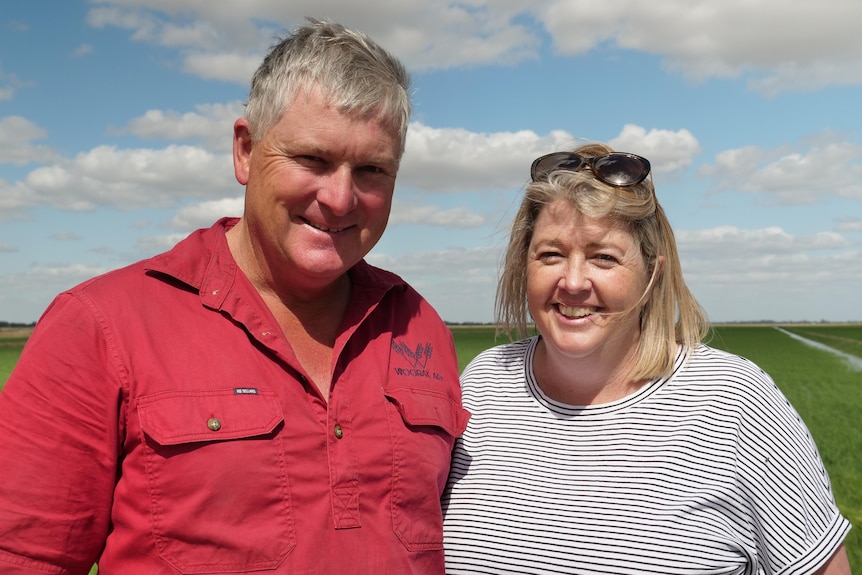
<point>547,256</point>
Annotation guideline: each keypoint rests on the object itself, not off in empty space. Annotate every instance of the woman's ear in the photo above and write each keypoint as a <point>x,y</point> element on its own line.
<point>659,263</point>
<point>655,271</point>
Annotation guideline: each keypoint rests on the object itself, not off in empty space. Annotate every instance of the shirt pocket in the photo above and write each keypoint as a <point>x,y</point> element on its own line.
<point>217,479</point>
<point>424,424</point>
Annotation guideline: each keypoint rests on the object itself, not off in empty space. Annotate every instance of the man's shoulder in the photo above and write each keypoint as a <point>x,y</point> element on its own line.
<point>365,274</point>
<point>180,261</point>
<point>380,285</point>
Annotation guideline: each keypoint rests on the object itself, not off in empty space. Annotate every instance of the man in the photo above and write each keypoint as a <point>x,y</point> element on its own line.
<point>257,399</point>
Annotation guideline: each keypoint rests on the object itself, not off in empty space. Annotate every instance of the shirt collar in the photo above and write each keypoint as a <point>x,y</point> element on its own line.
<point>204,262</point>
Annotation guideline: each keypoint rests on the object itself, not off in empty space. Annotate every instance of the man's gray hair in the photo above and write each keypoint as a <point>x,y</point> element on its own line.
<point>353,72</point>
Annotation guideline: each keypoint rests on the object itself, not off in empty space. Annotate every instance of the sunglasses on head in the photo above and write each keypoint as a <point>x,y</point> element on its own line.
<point>616,169</point>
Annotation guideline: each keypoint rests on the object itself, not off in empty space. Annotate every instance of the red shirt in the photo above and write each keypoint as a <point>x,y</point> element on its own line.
<point>158,422</point>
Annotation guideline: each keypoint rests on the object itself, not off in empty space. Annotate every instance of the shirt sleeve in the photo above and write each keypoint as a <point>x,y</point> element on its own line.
<point>59,444</point>
<point>795,521</point>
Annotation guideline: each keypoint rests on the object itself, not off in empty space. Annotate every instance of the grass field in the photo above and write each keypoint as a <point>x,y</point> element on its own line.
<point>846,338</point>
<point>825,390</point>
<point>8,356</point>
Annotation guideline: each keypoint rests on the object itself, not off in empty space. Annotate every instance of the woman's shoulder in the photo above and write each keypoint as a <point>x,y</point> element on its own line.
<point>503,354</point>
<point>708,365</point>
<point>496,374</point>
<point>498,362</point>
<point>706,355</point>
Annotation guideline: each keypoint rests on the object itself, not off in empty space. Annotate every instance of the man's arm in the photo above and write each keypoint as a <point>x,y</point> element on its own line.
<point>59,441</point>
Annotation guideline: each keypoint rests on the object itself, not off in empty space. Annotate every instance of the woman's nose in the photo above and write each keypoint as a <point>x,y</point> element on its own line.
<point>575,277</point>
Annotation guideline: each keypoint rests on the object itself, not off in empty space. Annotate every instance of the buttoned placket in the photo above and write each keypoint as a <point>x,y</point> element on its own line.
<point>343,475</point>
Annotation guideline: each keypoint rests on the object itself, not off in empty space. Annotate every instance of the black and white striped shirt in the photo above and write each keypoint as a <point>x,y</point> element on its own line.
<point>707,471</point>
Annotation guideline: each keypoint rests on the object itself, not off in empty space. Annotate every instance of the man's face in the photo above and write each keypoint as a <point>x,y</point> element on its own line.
<point>319,190</point>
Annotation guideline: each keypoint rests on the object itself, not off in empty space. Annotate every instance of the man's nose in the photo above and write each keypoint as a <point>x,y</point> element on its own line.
<point>339,191</point>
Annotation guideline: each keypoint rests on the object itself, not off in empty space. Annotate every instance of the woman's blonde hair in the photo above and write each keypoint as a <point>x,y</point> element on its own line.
<point>670,316</point>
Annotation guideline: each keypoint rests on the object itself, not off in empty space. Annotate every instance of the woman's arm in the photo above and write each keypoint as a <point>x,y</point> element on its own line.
<point>838,564</point>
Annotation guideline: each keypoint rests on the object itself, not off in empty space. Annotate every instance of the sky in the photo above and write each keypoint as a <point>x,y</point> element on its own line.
<point>116,122</point>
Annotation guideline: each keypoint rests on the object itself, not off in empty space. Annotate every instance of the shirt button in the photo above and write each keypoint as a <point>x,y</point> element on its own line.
<point>339,433</point>
<point>214,424</point>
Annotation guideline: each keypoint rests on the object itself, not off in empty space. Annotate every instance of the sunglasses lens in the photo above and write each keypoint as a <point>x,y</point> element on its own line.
<point>617,168</point>
<point>621,169</point>
<point>558,161</point>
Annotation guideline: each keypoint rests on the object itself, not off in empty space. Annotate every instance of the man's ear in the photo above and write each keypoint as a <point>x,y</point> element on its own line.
<point>242,145</point>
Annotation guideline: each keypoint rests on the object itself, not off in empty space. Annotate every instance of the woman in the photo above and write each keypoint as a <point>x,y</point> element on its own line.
<point>614,441</point>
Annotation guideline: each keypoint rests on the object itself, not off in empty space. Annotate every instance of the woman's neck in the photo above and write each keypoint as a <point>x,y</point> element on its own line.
<point>601,377</point>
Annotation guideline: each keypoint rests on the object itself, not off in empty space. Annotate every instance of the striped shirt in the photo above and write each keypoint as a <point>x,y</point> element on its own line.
<point>707,471</point>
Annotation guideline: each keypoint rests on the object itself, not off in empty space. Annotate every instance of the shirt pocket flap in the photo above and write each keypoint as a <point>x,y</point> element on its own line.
<point>174,418</point>
<point>425,407</point>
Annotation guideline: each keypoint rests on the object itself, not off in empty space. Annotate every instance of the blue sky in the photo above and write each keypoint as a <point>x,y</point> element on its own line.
<point>116,119</point>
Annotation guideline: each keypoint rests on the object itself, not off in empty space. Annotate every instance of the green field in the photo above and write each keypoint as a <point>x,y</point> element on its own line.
<point>846,338</point>
<point>825,390</point>
<point>8,356</point>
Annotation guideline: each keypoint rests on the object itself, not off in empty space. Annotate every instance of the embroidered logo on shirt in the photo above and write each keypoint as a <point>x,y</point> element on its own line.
<point>416,359</point>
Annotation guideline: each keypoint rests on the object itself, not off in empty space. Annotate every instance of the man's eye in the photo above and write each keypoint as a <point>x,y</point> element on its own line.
<point>374,170</point>
<point>312,161</point>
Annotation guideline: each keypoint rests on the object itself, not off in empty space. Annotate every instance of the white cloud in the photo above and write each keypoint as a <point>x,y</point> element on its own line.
<point>211,124</point>
<point>237,68</point>
<point>17,26</point>
<point>66,236</point>
<point>778,45</point>
<point>802,266</point>
<point>32,289</point>
<point>667,150</point>
<point>204,214</point>
<point>732,242</point>
<point>774,44</point>
<point>16,137</point>
<point>9,84</point>
<point>15,199</point>
<point>456,160</point>
<point>82,50</point>
<point>128,179</point>
<point>425,34</point>
<point>459,283</point>
<point>157,244</point>
<point>827,166</point>
<point>849,224</point>
<point>404,213</point>
<point>771,274</point>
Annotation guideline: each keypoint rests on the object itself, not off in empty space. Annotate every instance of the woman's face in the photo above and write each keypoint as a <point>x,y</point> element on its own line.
<point>585,282</point>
